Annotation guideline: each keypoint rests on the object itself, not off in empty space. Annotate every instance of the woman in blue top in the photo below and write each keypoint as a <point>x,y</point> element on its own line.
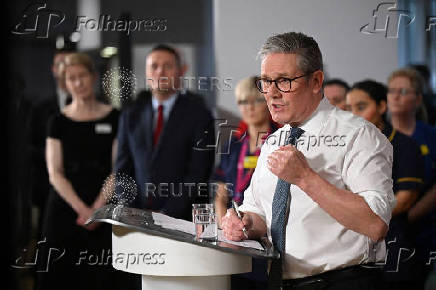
<point>404,98</point>
<point>367,99</point>
<point>237,165</point>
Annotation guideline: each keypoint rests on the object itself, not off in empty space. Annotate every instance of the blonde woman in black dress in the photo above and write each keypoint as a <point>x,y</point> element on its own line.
<point>80,146</point>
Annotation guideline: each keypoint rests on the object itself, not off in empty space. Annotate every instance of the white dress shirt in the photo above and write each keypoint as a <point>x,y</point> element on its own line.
<point>351,154</point>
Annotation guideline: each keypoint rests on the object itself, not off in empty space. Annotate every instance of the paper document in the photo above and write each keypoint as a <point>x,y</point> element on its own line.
<point>173,223</point>
<point>189,227</point>
<point>245,243</point>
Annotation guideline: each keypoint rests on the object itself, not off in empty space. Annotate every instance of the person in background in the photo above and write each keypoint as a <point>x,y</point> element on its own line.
<point>428,107</point>
<point>404,98</point>
<point>335,91</point>
<point>327,205</point>
<point>237,164</point>
<point>63,97</point>
<point>38,119</point>
<point>368,100</point>
<point>80,149</point>
<point>163,139</point>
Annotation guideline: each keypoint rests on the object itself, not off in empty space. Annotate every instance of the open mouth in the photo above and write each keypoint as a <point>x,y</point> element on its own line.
<point>277,106</point>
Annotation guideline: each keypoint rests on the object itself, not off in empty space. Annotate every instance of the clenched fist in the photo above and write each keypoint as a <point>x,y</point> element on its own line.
<point>288,164</point>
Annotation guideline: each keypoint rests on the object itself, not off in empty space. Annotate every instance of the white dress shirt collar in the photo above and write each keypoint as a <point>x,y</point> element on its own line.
<point>168,105</point>
<point>313,125</point>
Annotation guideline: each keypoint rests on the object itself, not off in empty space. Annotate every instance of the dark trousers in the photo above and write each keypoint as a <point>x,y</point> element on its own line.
<point>352,278</point>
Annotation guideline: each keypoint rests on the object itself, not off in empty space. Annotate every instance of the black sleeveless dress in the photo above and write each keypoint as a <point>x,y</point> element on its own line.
<point>73,257</point>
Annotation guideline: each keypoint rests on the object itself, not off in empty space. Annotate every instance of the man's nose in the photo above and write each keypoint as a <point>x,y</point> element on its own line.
<point>160,71</point>
<point>273,92</point>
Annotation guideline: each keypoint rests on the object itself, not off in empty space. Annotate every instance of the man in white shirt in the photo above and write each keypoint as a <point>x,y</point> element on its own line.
<point>338,175</point>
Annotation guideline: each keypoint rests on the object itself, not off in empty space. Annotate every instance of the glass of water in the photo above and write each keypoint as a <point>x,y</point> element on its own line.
<point>204,218</point>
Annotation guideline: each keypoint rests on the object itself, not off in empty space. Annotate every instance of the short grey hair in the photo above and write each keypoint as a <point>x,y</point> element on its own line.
<point>309,58</point>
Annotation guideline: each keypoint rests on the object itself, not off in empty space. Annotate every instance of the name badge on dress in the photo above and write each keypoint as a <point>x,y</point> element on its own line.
<point>103,128</point>
<point>250,162</point>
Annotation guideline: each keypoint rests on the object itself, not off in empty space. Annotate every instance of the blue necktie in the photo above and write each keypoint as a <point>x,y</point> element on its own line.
<point>280,205</point>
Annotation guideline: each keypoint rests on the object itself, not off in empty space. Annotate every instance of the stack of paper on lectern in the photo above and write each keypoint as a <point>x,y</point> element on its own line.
<point>245,243</point>
<point>173,223</point>
<point>189,227</point>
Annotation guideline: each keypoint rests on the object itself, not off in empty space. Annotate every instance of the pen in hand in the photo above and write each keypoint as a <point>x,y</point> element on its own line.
<point>235,206</point>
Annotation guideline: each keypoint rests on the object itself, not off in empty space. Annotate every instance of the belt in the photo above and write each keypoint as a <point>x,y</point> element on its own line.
<point>323,280</point>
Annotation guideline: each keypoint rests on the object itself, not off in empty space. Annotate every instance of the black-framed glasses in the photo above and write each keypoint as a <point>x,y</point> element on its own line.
<point>400,91</point>
<point>282,84</point>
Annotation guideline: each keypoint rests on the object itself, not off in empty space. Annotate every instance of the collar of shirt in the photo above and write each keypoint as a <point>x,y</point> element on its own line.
<point>167,106</point>
<point>389,132</point>
<point>313,125</point>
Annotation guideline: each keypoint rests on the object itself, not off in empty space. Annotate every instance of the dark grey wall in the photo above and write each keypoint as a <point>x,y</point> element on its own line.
<point>29,57</point>
<point>187,22</point>
<point>185,19</point>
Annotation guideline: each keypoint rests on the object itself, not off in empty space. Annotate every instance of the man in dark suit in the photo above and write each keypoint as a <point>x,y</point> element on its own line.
<point>163,140</point>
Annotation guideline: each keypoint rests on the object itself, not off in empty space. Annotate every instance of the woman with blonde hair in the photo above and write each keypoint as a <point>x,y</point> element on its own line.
<point>405,97</point>
<point>238,162</point>
<point>80,146</point>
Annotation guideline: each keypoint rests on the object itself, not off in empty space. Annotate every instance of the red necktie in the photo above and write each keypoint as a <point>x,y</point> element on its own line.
<point>159,124</point>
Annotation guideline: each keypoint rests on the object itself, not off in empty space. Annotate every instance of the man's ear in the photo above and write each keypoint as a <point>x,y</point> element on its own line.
<point>382,107</point>
<point>317,79</point>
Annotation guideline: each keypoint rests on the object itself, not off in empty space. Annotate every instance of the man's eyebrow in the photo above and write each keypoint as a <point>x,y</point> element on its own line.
<point>361,103</point>
<point>279,75</point>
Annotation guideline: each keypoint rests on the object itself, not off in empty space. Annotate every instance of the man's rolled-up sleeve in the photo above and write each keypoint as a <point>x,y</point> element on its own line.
<point>367,170</point>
